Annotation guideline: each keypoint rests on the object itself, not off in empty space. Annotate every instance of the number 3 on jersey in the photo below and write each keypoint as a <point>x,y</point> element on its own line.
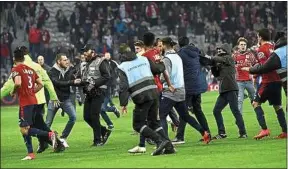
<point>30,85</point>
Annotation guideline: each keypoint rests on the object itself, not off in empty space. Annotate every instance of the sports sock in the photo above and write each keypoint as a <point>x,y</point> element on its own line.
<point>281,119</point>
<point>36,132</point>
<point>149,133</point>
<point>142,141</point>
<point>260,117</point>
<point>28,143</point>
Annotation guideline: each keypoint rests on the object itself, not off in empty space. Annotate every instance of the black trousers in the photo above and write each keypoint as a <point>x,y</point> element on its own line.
<point>148,111</point>
<point>92,108</point>
<point>165,107</point>
<point>223,99</point>
<point>193,101</point>
<point>40,123</point>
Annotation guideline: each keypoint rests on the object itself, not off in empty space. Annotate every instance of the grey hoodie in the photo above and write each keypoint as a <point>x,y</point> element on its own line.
<point>226,67</point>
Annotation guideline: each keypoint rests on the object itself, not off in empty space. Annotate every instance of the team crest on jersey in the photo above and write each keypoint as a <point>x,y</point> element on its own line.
<point>261,55</point>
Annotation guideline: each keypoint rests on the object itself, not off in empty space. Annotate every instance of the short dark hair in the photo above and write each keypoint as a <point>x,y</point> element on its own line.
<point>139,43</point>
<point>264,34</point>
<point>59,56</point>
<point>18,55</point>
<point>183,41</point>
<point>148,39</point>
<point>25,50</point>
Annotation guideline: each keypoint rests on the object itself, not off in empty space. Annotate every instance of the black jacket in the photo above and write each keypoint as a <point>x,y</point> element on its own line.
<point>192,70</point>
<point>62,80</point>
<point>124,91</point>
<point>225,71</point>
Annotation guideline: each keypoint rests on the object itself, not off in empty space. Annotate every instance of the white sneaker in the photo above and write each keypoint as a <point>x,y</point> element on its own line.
<point>65,144</point>
<point>137,149</point>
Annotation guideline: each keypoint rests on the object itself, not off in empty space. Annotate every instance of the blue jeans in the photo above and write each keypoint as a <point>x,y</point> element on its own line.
<point>245,85</point>
<point>105,108</point>
<point>68,108</point>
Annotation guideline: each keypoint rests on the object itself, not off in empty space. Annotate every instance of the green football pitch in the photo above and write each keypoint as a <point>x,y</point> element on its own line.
<point>227,153</point>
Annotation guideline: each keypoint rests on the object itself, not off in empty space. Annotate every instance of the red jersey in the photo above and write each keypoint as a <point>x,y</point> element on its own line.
<point>28,76</point>
<point>152,55</point>
<point>264,53</point>
<point>245,59</point>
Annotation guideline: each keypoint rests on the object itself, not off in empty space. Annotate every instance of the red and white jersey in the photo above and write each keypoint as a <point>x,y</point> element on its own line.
<point>243,59</point>
<point>26,92</point>
<point>263,54</point>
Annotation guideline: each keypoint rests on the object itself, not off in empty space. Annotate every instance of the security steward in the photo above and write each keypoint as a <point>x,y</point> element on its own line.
<point>136,80</point>
<point>94,78</point>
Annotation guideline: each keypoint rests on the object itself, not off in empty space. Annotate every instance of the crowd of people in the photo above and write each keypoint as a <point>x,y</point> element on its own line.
<point>164,79</point>
<point>160,80</point>
<point>108,24</point>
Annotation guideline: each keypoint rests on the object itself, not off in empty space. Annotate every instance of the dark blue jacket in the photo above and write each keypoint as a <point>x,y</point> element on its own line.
<point>195,80</point>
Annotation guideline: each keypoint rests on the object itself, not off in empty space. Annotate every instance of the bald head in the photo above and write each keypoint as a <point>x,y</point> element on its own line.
<point>40,60</point>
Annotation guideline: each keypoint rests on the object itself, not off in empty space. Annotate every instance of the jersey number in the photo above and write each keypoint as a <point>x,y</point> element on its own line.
<point>30,85</point>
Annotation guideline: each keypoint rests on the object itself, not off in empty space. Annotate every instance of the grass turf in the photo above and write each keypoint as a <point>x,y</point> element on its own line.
<point>228,153</point>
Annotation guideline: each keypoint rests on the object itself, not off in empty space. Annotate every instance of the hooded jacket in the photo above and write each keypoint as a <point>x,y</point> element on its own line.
<point>225,70</point>
<point>125,91</point>
<point>194,83</point>
<point>62,80</point>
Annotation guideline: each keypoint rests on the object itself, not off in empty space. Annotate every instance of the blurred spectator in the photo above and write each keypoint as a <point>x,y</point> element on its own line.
<point>43,15</point>
<point>41,62</point>
<point>152,13</point>
<point>103,48</point>
<point>119,26</point>
<point>10,18</point>
<point>62,22</point>
<point>28,24</point>
<point>87,26</point>
<point>32,8</point>
<point>142,29</point>
<point>93,41</point>
<point>61,48</point>
<point>170,23</point>
<point>7,39</point>
<point>21,10</point>
<point>90,13</point>
<point>34,41</point>
<point>123,38</point>
<point>76,19</point>
<point>48,54</point>
<point>182,30</point>
<point>109,38</point>
<point>45,36</point>
<point>199,32</point>
<point>131,31</point>
<point>122,10</point>
<point>4,53</point>
<point>258,24</point>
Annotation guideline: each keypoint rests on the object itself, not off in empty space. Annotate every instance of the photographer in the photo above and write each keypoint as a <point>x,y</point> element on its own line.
<point>223,68</point>
<point>94,79</point>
